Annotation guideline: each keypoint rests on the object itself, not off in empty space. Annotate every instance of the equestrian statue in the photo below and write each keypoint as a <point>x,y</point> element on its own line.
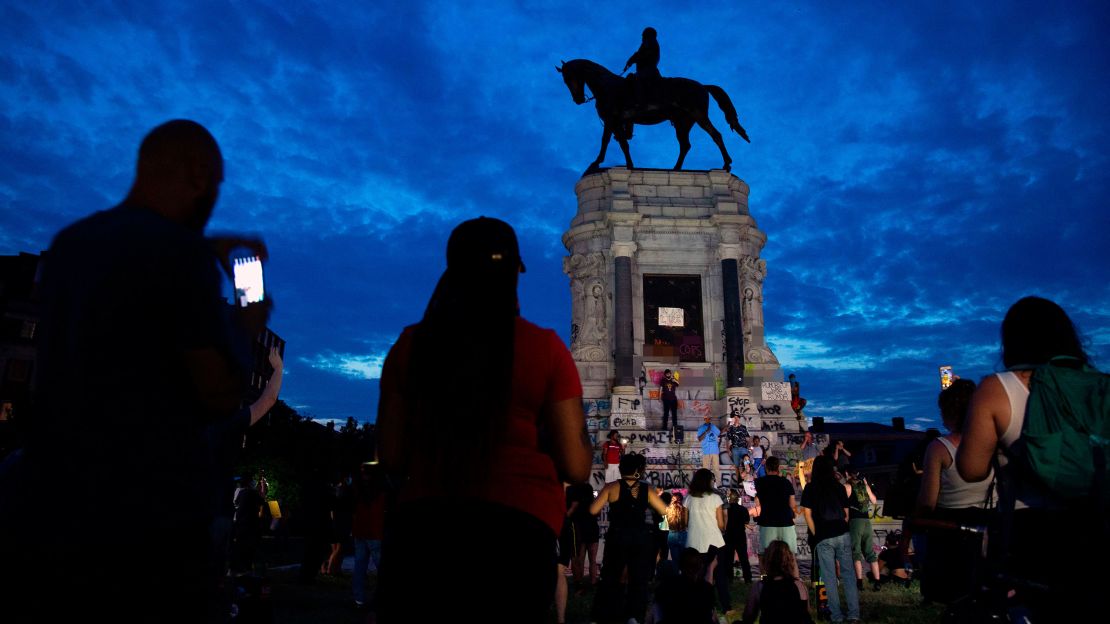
<point>646,98</point>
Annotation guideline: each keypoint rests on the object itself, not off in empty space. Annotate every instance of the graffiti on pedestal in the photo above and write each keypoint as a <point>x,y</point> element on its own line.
<point>664,457</point>
<point>669,478</point>
<point>738,405</point>
<point>700,408</point>
<point>626,405</point>
<point>596,408</point>
<point>821,439</point>
<point>597,424</point>
<point>626,421</point>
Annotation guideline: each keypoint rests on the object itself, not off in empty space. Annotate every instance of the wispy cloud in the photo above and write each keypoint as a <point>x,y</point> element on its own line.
<point>348,364</point>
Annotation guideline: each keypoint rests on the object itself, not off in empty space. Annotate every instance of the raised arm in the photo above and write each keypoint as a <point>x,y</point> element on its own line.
<point>988,414</point>
<point>602,498</point>
<point>270,394</point>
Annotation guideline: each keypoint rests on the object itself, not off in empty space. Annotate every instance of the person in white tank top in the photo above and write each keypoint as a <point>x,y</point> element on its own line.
<point>953,559</point>
<point>941,484</point>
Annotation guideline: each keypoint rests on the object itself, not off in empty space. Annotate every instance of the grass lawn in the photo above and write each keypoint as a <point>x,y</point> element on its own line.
<point>329,599</point>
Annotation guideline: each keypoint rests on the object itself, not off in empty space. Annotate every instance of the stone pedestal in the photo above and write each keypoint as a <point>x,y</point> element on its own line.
<point>644,227</point>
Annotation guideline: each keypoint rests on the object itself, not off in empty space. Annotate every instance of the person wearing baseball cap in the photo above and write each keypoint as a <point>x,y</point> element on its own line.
<point>490,446</point>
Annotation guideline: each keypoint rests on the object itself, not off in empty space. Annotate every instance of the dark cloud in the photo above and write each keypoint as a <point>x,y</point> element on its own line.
<point>916,168</point>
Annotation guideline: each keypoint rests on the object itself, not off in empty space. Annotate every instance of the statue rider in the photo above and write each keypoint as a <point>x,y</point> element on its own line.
<point>647,76</point>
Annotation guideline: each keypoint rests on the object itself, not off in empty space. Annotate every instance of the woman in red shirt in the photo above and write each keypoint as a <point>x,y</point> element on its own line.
<point>478,467</point>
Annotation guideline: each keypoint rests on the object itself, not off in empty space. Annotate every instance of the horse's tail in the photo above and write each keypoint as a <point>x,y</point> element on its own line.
<point>729,111</point>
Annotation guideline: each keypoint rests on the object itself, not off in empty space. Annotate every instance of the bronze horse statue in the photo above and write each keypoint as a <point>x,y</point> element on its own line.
<point>681,101</point>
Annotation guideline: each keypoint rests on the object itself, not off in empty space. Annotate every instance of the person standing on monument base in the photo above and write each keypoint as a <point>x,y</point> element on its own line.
<point>612,450</point>
<point>738,441</point>
<point>809,453</point>
<point>138,355</point>
<point>667,387</point>
<point>757,456</point>
<point>710,435</point>
<point>500,479</point>
<point>797,403</point>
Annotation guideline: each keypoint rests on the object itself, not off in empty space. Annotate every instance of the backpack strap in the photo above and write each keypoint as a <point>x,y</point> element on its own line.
<point>999,544</point>
<point>1098,486</point>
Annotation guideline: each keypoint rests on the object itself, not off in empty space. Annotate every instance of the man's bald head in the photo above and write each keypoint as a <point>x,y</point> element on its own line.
<point>179,172</point>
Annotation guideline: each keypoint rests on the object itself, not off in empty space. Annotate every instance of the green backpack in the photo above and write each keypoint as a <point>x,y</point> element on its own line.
<point>1065,438</point>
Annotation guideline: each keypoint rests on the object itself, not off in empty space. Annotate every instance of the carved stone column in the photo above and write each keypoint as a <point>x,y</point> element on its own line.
<point>625,382</point>
<point>589,333</point>
<point>752,271</point>
<point>734,323</point>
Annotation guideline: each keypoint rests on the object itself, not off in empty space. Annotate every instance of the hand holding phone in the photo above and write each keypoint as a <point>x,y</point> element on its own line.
<point>247,275</point>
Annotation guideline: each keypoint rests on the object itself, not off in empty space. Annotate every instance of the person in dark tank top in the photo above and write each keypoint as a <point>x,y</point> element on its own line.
<point>628,542</point>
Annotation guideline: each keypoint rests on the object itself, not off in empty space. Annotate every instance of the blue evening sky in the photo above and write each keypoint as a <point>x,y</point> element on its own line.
<point>916,166</point>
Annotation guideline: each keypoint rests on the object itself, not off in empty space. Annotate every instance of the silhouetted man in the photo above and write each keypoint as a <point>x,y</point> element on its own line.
<point>138,354</point>
<point>646,60</point>
<point>667,386</point>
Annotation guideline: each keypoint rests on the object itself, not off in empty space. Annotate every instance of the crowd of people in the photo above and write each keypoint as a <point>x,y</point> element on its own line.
<point>122,414</point>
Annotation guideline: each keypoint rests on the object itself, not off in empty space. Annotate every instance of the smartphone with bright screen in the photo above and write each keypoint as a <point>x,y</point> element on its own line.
<point>247,274</point>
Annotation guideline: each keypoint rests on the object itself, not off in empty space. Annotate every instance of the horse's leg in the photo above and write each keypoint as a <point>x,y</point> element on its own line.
<point>716,136</point>
<point>682,132</point>
<point>623,141</point>
<point>606,134</point>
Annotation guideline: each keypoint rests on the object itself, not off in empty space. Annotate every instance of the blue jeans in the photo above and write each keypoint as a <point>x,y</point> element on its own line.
<point>676,543</point>
<point>366,550</point>
<point>829,551</point>
<point>757,465</point>
<point>738,454</point>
